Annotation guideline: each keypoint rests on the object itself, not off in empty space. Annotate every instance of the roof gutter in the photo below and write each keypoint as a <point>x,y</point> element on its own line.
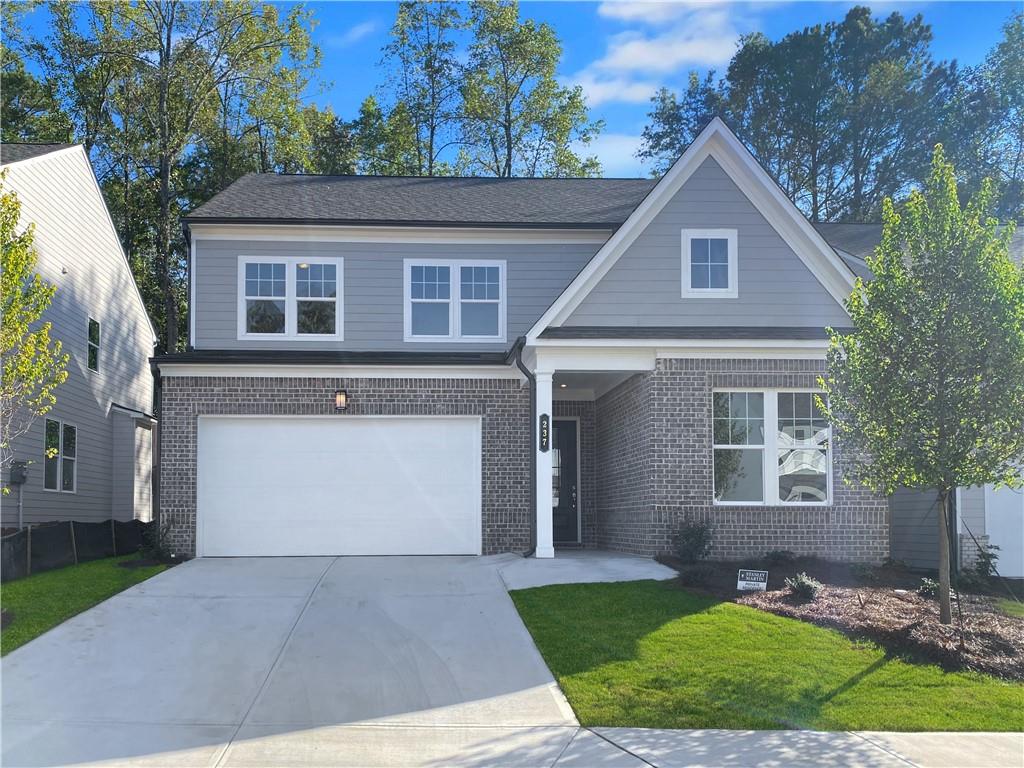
<point>517,352</point>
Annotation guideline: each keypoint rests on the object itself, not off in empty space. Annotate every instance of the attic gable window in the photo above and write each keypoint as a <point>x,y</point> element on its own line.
<point>709,263</point>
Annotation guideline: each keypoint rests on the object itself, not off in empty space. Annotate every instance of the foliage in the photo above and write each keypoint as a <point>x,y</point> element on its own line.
<point>928,588</point>
<point>648,654</point>
<point>693,540</point>
<point>864,573</point>
<point>985,561</point>
<point>841,113</point>
<point>780,556</point>
<point>803,586</point>
<point>40,602</point>
<point>387,142</point>
<point>927,392</point>
<point>696,576</point>
<point>518,120</point>
<point>31,365</point>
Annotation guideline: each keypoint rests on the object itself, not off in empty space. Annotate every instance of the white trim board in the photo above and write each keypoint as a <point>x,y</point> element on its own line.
<point>393,234</point>
<point>719,142</point>
<point>213,370</point>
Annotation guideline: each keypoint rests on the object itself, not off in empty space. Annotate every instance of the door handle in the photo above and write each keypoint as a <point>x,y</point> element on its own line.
<point>574,497</point>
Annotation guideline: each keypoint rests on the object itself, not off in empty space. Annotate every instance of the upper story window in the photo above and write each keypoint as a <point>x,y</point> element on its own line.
<point>94,345</point>
<point>290,298</point>
<point>60,459</point>
<point>709,263</point>
<point>449,300</point>
<point>770,447</point>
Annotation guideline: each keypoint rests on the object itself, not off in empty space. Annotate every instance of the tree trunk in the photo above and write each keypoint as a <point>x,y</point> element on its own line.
<point>945,610</point>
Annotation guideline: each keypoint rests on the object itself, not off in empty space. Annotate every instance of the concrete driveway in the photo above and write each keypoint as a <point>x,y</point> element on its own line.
<point>290,661</point>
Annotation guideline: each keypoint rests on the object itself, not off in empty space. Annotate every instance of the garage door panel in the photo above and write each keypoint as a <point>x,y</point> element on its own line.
<point>345,485</point>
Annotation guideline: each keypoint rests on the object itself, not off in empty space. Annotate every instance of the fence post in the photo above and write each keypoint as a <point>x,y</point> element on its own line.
<point>28,551</point>
<point>74,545</point>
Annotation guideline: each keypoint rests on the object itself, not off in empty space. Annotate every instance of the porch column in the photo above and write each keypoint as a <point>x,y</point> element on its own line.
<point>545,546</point>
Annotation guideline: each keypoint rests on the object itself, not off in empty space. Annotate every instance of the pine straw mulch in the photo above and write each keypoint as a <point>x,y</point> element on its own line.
<point>905,622</point>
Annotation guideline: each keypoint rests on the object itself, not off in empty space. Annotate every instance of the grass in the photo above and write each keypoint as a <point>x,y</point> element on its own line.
<point>39,603</point>
<point>649,654</point>
<point>1011,607</point>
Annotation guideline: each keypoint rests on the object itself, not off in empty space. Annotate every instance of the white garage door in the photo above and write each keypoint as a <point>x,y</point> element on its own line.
<point>345,485</point>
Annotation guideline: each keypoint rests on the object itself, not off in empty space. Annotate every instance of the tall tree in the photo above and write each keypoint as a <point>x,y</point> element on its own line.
<point>675,120</point>
<point>927,392</point>
<point>518,120</point>
<point>1004,74</point>
<point>179,62</point>
<point>426,77</point>
<point>386,143</point>
<point>31,365</point>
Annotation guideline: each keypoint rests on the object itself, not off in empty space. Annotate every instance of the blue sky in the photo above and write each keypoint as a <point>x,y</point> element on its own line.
<point>621,52</point>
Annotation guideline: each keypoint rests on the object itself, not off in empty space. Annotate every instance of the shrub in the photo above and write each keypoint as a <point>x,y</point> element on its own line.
<point>693,541</point>
<point>971,580</point>
<point>780,557</point>
<point>864,573</point>
<point>985,563</point>
<point>696,576</point>
<point>928,588</point>
<point>803,586</point>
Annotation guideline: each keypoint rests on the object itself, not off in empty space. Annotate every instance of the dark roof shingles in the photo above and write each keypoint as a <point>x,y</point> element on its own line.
<point>437,200</point>
<point>16,152</point>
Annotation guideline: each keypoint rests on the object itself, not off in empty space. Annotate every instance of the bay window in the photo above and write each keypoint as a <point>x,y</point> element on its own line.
<point>770,448</point>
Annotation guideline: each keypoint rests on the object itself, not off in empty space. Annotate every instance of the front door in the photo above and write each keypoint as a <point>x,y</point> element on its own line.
<point>564,481</point>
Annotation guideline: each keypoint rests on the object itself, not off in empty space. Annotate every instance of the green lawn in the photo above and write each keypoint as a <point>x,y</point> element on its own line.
<point>649,654</point>
<point>40,602</point>
<point>1011,607</point>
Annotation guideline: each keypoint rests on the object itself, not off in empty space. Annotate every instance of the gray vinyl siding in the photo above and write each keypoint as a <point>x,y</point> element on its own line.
<point>914,528</point>
<point>79,254</point>
<point>373,289</point>
<point>972,510</point>
<point>644,286</point>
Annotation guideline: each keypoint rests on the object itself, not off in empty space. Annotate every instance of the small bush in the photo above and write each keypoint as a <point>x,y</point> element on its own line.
<point>696,576</point>
<point>864,573</point>
<point>693,541</point>
<point>985,564</point>
<point>895,563</point>
<point>803,586</point>
<point>928,588</point>
<point>971,580</point>
<point>780,557</point>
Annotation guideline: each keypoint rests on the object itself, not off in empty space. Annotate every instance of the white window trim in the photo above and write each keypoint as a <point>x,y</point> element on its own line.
<point>89,345</point>
<point>291,300</point>
<point>732,292</point>
<point>770,468</point>
<point>455,299</point>
<point>60,457</point>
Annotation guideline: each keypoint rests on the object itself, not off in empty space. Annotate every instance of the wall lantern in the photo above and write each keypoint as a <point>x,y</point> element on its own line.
<point>340,400</point>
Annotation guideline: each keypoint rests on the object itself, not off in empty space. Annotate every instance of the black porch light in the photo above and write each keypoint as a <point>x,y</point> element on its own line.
<point>340,400</point>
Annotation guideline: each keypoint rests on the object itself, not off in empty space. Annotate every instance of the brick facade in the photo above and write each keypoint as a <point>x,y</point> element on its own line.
<point>503,404</point>
<point>654,464</point>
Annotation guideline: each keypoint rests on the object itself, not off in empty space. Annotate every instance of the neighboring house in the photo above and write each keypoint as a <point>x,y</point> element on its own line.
<point>466,366</point>
<point>100,425</point>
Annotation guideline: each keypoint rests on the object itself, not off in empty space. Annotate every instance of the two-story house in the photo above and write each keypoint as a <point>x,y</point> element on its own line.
<point>470,365</point>
<point>100,431</point>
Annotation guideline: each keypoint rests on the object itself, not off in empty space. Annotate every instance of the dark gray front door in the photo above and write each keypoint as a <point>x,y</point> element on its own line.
<point>564,478</point>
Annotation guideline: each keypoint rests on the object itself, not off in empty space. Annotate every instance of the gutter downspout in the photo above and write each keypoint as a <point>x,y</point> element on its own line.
<point>518,352</point>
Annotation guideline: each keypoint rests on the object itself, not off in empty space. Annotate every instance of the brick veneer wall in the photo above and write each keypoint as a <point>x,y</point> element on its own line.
<point>584,411</point>
<point>503,404</point>
<point>671,413</point>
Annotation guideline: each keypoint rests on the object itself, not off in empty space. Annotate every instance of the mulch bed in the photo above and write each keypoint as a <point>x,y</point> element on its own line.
<point>879,604</point>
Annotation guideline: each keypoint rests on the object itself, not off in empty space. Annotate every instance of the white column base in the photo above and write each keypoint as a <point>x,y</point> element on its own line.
<point>544,552</point>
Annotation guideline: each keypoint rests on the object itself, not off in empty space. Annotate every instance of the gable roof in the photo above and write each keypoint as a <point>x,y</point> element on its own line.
<point>15,152</point>
<point>594,203</point>
<point>719,142</point>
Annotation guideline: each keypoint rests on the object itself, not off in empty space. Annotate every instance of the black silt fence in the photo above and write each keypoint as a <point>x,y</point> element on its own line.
<point>40,548</point>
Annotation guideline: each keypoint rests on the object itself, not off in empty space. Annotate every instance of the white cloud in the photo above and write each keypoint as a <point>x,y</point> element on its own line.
<point>352,35</point>
<point>616,151</point>
<point>601,88</point>
<point>655,12</point>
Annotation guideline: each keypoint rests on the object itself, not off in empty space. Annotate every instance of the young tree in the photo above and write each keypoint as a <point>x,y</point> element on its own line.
<point>517,120</point>
<point>31,365</point>
<point>927,391</point>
